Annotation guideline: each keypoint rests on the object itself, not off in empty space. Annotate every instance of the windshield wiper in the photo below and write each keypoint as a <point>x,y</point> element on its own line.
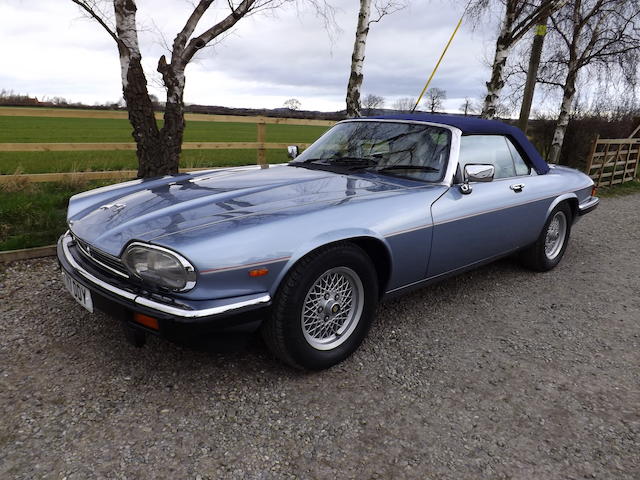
<point>346,161</point>
<point>355,162</point>
<point>422,168</point>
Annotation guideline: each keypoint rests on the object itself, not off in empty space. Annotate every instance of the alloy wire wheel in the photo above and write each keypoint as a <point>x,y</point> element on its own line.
<point>332,308</point>
<point>323,308</point>
<point>552,242</point>
<point>556,232</point>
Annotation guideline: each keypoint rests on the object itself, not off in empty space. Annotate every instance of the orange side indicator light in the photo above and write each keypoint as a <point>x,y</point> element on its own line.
<point>594,191</point>
<point>147,321</point>
<point>258,272</point>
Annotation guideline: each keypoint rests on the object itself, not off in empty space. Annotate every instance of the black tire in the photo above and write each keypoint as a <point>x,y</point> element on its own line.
<point>535,257</point>
<point>284,333</point>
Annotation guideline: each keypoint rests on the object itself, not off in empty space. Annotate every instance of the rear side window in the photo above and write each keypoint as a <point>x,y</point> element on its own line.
<point>487,149</point>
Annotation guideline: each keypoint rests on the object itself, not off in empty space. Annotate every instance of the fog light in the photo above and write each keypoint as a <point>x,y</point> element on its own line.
<point>147,321</point>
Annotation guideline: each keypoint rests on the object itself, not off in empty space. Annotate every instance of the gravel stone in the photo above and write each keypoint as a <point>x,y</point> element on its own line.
<point>500,373</point>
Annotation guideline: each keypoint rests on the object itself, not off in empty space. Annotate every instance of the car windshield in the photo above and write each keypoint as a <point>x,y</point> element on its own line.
<point>410,150</point>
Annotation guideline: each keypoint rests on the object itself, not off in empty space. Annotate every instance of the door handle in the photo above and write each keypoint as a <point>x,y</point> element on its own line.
<point>517,187</point>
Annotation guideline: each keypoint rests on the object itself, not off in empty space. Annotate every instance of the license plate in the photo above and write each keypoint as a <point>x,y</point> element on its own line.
<point>79,292</point>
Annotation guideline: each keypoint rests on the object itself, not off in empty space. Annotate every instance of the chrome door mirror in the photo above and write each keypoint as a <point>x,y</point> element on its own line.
<point>476,173</point>
<point>293,151</point>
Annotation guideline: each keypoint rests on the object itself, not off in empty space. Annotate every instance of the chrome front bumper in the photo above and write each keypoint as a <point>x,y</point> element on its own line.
<point>219,307</point>
<point>588,206</point>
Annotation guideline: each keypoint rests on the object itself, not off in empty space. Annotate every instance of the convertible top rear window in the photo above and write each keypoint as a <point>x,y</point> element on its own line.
<point>410,150</point>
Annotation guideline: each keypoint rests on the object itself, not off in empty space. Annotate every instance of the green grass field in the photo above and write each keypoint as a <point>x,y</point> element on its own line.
<point>33,215</point>
<point>83,130</point>
<point>94,130</point>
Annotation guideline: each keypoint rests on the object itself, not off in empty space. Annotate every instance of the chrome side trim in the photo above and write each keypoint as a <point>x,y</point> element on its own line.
<point>246,265</point>
<point>407,230</point>
<point>169,309</point>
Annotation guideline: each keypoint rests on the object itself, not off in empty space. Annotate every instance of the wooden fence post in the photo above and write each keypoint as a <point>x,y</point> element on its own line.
<point>262,136</point>
<point>591,154</point>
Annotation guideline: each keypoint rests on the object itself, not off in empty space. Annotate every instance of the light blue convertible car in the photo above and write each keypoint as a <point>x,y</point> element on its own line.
<point>303,252</point>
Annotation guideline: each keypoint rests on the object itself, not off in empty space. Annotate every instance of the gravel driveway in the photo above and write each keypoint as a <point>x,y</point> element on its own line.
<point>500,373</point>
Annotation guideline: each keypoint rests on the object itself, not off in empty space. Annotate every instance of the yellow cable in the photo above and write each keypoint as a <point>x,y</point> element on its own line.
<point>440,59</point>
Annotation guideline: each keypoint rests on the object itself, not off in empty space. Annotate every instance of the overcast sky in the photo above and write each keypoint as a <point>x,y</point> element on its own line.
<point>49,48</point>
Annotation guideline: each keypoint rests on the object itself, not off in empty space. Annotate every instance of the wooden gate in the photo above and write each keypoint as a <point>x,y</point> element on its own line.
<point>614,161</point>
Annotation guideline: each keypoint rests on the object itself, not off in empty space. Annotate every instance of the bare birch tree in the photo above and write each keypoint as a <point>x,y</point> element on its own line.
<point>519,17</point>
<point>159,148</point>
<point>372,102</point>
<point>590,35</point>
<point>435,98</point>
<point>382,8</point>
<point>404,104</point>
<point>467,107</point>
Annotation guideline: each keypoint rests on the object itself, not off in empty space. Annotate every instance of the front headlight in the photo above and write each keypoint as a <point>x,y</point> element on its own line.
<point>160,267</point>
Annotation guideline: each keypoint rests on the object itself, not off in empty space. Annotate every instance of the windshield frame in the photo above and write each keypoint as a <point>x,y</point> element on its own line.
<point>454,147</point>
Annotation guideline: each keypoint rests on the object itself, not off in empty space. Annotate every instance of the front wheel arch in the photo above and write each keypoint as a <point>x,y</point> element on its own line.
<point>375,248</point>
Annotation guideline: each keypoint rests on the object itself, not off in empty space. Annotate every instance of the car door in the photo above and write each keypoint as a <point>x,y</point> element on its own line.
<point>497,217</point>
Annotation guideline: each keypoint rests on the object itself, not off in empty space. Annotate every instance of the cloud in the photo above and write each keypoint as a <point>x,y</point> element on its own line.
<point>267,59</point>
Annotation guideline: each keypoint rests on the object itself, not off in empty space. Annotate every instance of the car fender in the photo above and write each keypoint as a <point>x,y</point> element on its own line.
<point>327,238</point>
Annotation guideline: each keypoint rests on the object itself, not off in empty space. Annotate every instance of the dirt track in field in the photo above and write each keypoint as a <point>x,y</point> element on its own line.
<point>499,373</point>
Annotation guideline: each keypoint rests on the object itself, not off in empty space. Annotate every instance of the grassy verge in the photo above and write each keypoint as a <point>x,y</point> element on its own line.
<point>618,190</point>
<point>33,215</point>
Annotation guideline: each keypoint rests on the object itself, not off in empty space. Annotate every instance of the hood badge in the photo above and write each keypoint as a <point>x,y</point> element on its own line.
<point>115,207</point>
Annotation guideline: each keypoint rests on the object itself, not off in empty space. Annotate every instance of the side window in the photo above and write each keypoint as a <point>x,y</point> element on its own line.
<point>488,149</point>
<point>521,166</point>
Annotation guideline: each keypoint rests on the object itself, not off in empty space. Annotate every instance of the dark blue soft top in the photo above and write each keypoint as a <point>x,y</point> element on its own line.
<point>479,126</point>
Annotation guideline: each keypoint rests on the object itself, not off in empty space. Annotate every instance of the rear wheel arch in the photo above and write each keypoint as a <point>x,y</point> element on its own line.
<point>536,256</point>
<point>573,205</point>
<point>570,199</point>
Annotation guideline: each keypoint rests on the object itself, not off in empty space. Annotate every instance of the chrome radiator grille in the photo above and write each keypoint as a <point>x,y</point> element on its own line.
<point>102,260</point>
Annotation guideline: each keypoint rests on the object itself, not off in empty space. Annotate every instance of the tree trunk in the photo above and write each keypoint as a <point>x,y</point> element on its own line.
<point>568,95</point>
<point>532,75</point>
<point>172,131</point>
<point>154,159</point>
<point>496,83</point>
<point>357,60</point>
<point>141,116</point>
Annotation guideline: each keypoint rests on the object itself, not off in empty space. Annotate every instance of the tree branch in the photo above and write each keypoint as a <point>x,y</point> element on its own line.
<point>183,36</point>
<point>91,10</point>
<point>387,8</point>
<point>201,41</point>
<point>535,18</point>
